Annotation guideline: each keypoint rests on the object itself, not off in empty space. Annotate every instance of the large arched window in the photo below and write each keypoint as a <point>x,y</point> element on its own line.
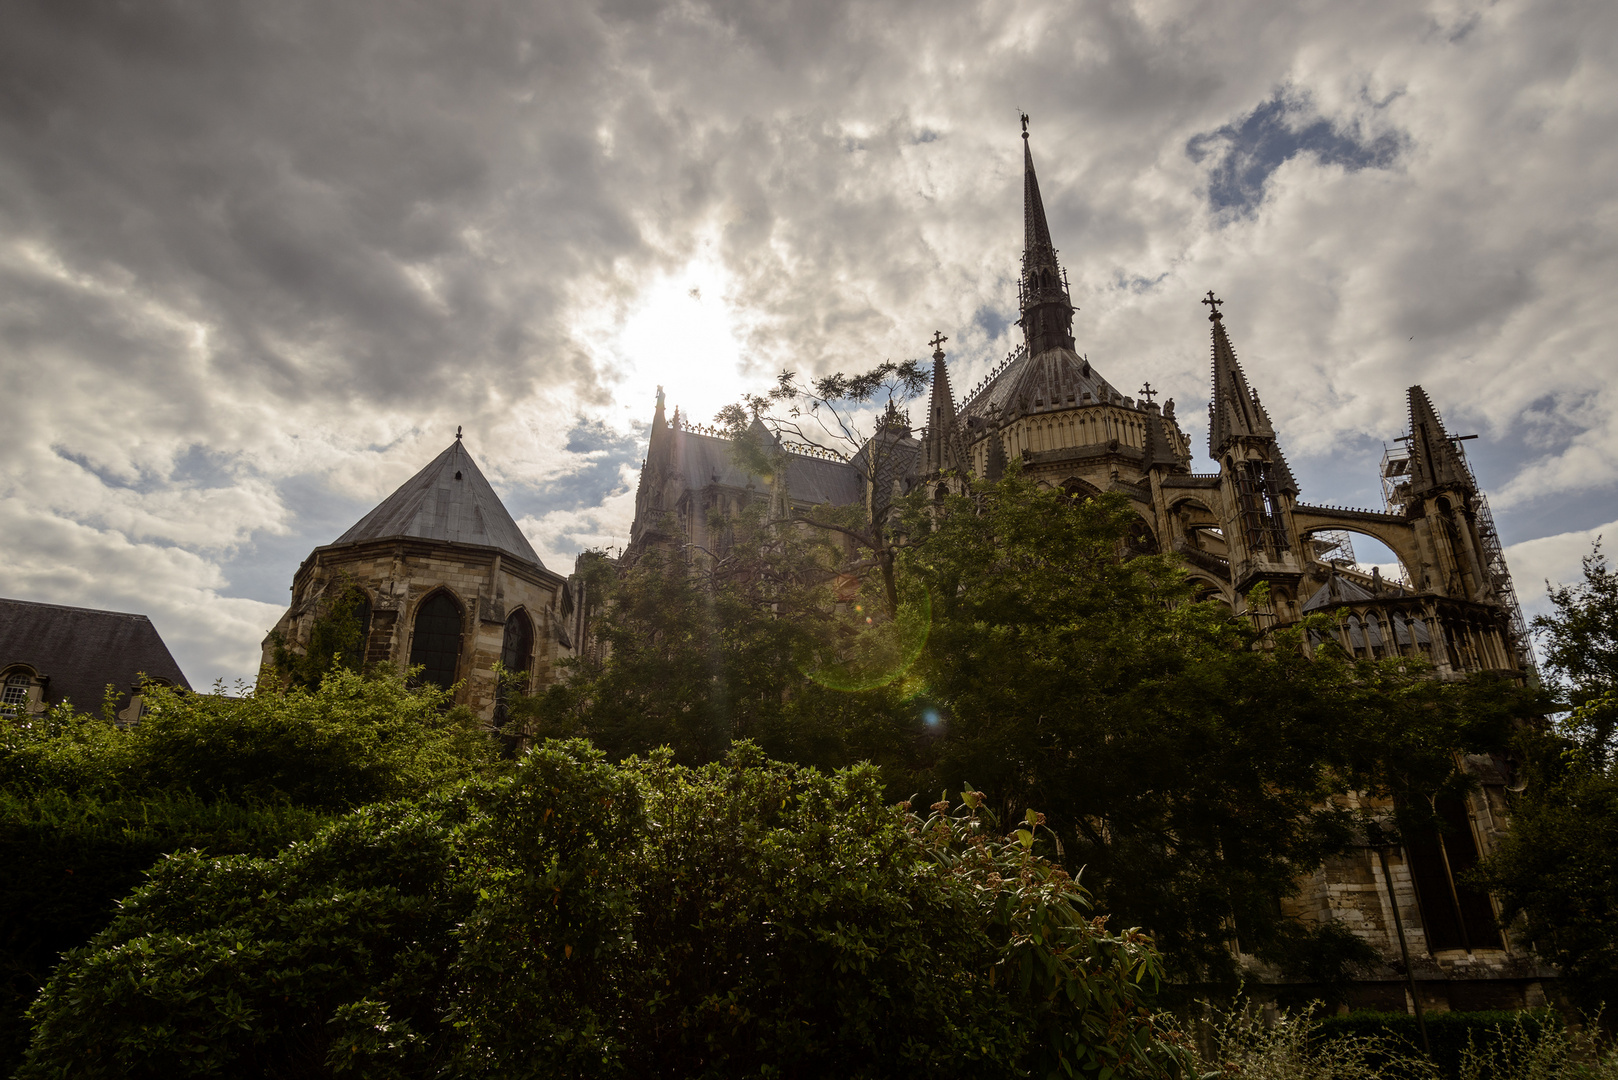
<point>436,643</point>
<point>516,656</point>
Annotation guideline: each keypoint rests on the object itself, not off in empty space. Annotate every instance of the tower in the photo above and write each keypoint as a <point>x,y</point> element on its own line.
<point>1440,501</point>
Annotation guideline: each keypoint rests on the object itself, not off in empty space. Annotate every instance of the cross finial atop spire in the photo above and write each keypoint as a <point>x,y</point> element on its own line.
<point>938,344</point>
<point>457,433</point>
<point>1025,125</point>
<point>1147,393</point>
<point>1213,302</point>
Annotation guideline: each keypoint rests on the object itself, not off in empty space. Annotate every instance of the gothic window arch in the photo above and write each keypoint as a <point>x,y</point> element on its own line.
<point>435,643</point>
<point>1077,489</point>
<point>516,657</point>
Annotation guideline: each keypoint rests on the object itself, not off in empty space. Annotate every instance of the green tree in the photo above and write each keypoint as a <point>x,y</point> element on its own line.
<point>698,650</point>
<point>829,415</point>
<point>585,919</point>
<point>86,807</point>
<point>1558,866</point>
<point>1189,761</point>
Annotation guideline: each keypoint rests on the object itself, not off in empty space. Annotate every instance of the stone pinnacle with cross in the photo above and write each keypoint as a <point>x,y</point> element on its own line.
<point>938,344</point>
<point>1213,303</point>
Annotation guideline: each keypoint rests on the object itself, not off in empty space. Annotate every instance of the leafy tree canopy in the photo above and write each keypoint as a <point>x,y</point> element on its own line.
<point>1558,866</point>
<point>86,807</point>
<point>581,918</point>
<point>1189,760</point>
<point>747,642</point>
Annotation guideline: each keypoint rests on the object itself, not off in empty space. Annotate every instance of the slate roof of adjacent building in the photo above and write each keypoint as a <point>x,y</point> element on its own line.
<point>449,501</point>
<point>81,650</point>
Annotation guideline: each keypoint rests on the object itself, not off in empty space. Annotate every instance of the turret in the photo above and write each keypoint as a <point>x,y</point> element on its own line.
<point>944,450</point>
<point>1259,491</point>
<point>1440,501</point>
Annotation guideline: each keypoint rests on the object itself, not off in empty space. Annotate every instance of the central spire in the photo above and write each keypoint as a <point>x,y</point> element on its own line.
<point>1047,309</point>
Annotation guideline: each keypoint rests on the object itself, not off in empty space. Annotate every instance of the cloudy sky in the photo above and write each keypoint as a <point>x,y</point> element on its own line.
<point>257,261</point>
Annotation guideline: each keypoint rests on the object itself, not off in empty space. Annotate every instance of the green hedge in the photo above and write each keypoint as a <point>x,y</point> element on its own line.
<point>1449,1033</point>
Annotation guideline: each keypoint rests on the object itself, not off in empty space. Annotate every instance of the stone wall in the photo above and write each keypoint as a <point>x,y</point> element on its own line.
<point>487,585</point>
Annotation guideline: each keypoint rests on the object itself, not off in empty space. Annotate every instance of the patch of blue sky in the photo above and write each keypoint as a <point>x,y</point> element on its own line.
<point>1247,153</point>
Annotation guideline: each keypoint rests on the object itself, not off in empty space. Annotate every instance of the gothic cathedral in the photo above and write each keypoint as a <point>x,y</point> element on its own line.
<point>1234,529</point>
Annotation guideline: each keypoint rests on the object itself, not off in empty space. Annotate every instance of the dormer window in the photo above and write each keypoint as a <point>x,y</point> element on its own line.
<point>14,697</point>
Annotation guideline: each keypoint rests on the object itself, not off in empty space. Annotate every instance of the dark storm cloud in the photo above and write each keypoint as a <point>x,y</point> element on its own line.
<point>323,188</point>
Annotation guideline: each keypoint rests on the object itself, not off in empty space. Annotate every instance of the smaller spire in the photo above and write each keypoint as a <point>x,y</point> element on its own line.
<point>1235,411</point>
<point>1434,461</point>
<point>944,449</point>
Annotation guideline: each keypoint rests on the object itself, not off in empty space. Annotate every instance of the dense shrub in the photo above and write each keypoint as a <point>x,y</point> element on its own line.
<point>1449,1034</point>
<point>583,918</point>
<point>354,740</point>
<point>87,807</point>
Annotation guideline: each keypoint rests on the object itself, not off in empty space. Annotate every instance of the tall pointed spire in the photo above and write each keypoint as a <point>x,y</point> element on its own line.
<point>1235,411</point>
<point>944,450</point>
<point>1047,309</point>
<point>1434,462</point>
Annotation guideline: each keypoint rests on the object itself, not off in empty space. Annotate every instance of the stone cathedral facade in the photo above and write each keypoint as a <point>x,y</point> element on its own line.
<point>1245,524</point>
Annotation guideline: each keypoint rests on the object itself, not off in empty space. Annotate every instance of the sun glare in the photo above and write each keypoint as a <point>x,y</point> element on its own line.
<point>685,337</point>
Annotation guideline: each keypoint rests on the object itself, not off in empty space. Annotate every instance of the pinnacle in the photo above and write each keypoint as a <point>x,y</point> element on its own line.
<point>1434,461</point>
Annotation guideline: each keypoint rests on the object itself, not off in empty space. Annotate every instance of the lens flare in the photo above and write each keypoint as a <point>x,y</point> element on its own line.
<point>882,654</point>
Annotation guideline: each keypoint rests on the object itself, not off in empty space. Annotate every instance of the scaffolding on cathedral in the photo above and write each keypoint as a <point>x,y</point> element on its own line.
<point>1395,485</point>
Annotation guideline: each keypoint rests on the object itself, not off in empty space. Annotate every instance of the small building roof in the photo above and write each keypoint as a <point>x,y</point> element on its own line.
<point>82,650</point>
<point>448,501</point>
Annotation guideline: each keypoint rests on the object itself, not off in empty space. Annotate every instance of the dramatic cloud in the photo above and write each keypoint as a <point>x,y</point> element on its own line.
<point>258,261</point>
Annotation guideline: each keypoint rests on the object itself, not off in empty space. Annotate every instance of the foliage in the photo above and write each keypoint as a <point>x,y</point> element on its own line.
<point>1188,759</point>
<point>1580,645</point>
<point>1243,1043</point>
<point>735,645</point>
<point>336,639</point>
<point>1558,864</point>
<point>67,859</point>
<point>86,806</point>
<point>826,415</point>
<point>1455,1037</point>
<point>581,918</point>
<point>352,740</point>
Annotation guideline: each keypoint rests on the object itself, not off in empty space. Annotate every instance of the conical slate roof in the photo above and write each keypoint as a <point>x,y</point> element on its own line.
<point>448,501</point>
<point>1044,381</point>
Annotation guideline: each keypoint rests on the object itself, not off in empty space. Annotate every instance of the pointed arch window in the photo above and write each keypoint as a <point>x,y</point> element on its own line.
<point>436,642</point>
<point>516,657</point>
